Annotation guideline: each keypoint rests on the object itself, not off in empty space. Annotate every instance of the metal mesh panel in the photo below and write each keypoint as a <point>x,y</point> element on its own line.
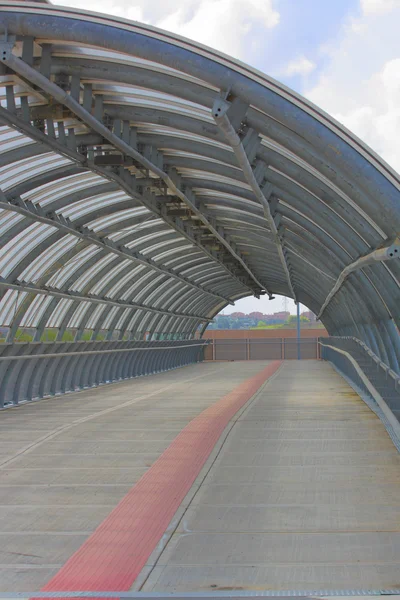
<point>308,348</point>
<point>230,349</point>
<point>264,349</point>
<point>269,349</point>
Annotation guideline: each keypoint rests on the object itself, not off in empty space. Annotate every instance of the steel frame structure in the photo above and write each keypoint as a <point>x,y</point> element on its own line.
<point>130,204</point>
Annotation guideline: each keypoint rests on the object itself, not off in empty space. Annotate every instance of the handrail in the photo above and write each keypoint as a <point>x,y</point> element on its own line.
<point>371,354</point>
<point>374,393</point>
<point>86,352</point>
<point>30,376</point>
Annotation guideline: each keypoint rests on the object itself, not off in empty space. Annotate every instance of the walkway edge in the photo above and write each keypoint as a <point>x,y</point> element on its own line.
<point>113,556</point>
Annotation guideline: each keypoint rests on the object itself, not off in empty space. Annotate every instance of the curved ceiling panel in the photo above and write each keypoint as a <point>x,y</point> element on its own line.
<point>147,181</point>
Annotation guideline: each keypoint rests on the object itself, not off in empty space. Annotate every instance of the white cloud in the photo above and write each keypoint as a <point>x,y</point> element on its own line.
<point>378,7</point>
<point>300,66</point>
<point>231,26</point>
<point>119,8</point>
<point>225,25</point>
<point>360,85</point>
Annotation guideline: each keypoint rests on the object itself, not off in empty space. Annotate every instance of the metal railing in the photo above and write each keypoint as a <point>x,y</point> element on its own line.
<point>36,370</point>
<point>365,369</point>
<point>262,348</point>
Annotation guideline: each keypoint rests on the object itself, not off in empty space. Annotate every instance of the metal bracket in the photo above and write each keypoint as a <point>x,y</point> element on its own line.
<point>6,50</point>
<point>393,251</point>
<point>233,107</point>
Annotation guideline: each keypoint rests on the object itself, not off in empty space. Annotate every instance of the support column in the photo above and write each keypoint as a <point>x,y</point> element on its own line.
<point>298,332</point>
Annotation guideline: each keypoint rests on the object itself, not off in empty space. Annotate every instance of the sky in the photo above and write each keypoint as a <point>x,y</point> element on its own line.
<point>343,55</point>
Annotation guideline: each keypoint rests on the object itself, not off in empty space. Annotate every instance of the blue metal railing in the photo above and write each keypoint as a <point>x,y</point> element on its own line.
<point>348,353</point>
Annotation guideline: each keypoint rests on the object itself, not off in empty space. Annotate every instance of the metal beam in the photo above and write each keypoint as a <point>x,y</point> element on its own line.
<point>33,76</point>
<point>147,200</point>
<point>380,255</point>
<point>219,113</point>
<point>32,289</point>
<point>35,212</point>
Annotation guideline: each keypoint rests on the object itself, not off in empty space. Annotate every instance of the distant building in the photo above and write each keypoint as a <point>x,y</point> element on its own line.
<point>240,320</point>
<point>309,315</point>
<point>283,315</point>
<point>256,315</point>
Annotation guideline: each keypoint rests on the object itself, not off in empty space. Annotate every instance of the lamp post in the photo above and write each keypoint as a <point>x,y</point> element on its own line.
<point>298,332</point>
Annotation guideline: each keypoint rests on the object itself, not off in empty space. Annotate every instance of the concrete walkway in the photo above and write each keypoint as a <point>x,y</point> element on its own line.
<point>66,462</point>
<point>302,490</point>
<point>303,494</point>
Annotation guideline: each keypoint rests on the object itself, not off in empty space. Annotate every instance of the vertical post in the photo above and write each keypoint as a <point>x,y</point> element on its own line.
<point>247,349</point>
<point>298,332</point>
<point>213,349</point>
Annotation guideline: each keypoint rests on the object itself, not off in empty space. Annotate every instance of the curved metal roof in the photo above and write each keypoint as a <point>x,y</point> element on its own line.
<point>147,181</point>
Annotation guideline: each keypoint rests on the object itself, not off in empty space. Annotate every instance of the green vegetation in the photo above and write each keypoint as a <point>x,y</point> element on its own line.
<point>49,335</point>
<point>257,321</point>
<point>23,336</point>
